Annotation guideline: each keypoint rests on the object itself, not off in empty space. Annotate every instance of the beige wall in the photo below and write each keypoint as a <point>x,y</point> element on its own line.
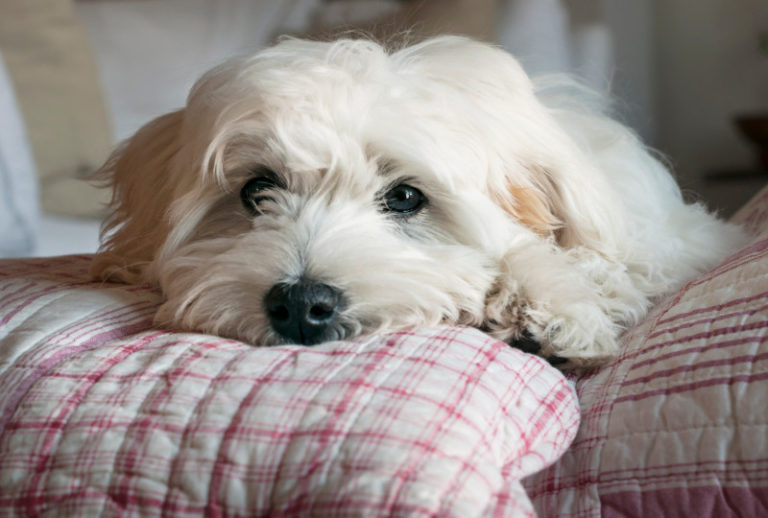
<point>708,69</point>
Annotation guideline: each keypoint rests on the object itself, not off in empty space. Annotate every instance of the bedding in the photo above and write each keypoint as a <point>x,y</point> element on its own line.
<point>101,413</point>
<point>677,425</point>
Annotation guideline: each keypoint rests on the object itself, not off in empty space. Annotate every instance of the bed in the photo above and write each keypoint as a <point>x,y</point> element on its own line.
<point>102,413</point>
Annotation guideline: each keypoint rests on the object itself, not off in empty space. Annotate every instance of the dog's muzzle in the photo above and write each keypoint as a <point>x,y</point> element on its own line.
<point>305,312</point>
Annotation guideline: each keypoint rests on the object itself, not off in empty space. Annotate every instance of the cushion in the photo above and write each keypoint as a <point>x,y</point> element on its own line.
<point>677,425</point>
<point>101,412</point>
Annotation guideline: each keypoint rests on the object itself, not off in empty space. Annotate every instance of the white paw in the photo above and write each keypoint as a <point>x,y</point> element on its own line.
<point>578,331</point>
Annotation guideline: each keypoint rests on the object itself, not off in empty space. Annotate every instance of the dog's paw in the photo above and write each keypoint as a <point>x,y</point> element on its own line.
<point>572,326</point>
<point>581,333</point>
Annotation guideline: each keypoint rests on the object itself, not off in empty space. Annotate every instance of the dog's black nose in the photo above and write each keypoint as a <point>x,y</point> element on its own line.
<point>305,312</point>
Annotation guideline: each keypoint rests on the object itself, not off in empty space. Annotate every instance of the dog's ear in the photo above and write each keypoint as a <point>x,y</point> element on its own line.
<point>567,200</point>
<point>561,201</point>
<point>139,173</point>
<point>543,151</point>
<point>534,204</point>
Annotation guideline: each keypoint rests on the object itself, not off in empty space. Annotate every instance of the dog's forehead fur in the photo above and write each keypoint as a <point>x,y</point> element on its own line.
<point>348,107</point>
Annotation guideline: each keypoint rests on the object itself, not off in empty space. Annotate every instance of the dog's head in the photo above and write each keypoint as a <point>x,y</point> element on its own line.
<point>315,191</point>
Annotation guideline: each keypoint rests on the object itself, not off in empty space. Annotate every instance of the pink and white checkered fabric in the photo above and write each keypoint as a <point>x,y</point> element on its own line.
<point>678,426</point>
<point>101,414</point>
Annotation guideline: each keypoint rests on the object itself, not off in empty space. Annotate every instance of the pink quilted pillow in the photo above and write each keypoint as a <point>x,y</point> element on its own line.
<point>102,414</point>
<point>678,425</point>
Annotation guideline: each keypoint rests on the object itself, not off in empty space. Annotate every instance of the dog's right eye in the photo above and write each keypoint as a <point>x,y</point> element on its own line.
<point>404,199</point>
<point>255,191</point>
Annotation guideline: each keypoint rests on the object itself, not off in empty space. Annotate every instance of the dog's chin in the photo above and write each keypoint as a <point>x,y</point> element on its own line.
<point>219,286</point>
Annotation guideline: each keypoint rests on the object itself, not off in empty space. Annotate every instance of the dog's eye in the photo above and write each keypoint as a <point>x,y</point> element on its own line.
<point>404,199</point>
<point>255,191</point>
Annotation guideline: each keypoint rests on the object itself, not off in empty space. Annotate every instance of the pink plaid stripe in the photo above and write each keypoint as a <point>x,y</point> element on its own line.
<point>99,414</point>
<point>677,425</point>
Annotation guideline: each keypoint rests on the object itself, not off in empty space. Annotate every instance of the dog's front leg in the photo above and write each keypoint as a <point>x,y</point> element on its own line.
<point>543,294</point>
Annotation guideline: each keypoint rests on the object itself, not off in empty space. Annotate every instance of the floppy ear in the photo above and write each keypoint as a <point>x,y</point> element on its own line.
<point>544,150</point>
<point>568,199</point>
<point>139,173</point>
<point>534,205</point>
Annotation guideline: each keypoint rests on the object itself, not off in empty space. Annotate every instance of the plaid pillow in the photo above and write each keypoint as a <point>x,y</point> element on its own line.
<point>100,413</point>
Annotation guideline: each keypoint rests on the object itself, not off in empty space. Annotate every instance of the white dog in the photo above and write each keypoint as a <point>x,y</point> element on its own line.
<point>316,191</point>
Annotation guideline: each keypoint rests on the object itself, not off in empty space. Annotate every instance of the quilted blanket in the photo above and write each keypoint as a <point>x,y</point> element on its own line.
<point>677,425</point>
<point>102,414</point>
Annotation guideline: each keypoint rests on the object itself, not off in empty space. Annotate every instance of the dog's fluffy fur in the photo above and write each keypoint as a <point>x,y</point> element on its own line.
<point>541,215</point>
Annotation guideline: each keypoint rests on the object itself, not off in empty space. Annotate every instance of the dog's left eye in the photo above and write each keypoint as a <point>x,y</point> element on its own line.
<point>254,191</point>
<point>404,199</point>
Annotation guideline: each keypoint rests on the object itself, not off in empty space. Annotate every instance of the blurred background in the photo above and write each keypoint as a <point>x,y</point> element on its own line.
<point>78,76</point>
